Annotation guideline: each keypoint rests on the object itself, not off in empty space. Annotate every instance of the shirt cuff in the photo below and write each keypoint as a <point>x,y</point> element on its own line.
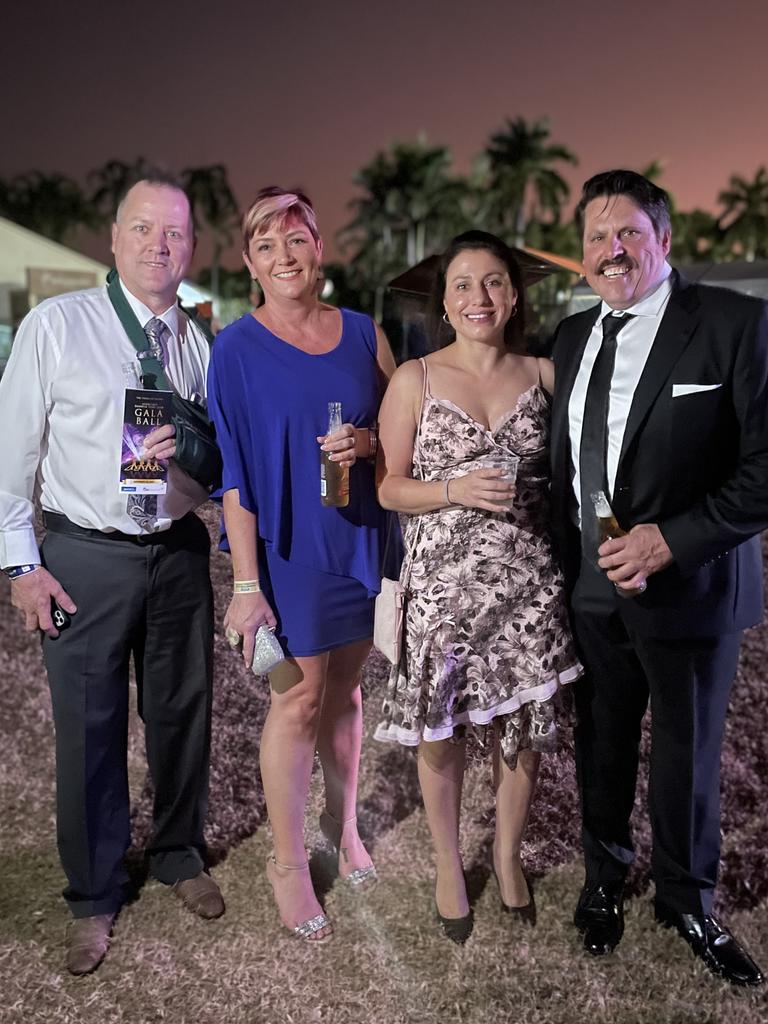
<point>18,547</point>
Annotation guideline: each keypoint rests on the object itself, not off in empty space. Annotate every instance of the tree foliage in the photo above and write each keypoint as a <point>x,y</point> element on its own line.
<point>744,220</point>
<point>51,204</point>
<point>409,202</point>
<point>214,209</point>
<point>518,180</point>
<point>111,181</point>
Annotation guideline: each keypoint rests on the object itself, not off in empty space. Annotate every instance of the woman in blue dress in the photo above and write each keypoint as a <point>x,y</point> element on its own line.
<point>311,572</point>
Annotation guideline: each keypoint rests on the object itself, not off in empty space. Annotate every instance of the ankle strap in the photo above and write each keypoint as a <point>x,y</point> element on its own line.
<point>341,824</point>
<point>288,867</point>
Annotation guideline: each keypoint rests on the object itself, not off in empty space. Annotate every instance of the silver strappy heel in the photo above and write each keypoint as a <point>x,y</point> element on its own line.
<point>361,878</point>
<point>309,928</point>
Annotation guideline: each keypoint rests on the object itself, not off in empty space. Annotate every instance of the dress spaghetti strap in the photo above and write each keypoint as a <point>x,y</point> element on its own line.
<point>424,392</point>
<point>425,389</point>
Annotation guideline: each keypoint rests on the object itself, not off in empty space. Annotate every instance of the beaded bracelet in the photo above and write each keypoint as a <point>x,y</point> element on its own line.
<point>14,571</point>
<point>246,587</point>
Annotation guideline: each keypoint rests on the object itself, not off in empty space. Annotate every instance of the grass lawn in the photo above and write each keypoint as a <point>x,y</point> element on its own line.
<point>387,962</point>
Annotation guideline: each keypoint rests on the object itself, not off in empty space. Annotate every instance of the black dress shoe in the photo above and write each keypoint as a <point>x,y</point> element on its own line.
<point>712,943</point>
<point>600,916</point>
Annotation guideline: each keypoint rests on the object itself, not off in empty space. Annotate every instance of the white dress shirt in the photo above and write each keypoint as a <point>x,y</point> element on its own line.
<point>633,346</point>
<point>62,400</point>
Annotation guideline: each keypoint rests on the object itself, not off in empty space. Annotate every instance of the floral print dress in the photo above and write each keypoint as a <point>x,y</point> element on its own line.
<point>486,630</point>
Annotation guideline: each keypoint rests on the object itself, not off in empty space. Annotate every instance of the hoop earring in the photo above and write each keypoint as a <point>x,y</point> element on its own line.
<point>445,319</point>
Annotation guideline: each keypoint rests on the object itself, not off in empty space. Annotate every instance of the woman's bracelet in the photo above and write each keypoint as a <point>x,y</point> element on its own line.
<point>373,440</point>
<point>447,495</point>
<point>246,587</point>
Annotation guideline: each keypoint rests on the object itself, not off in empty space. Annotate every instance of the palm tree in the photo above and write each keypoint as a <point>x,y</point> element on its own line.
<point>517,179</point>
<point>111,182</point>
<point>214,208</point>
<point>410,206</point>
<point>653,171</point>
<point>368,271</point>
<point>51,204</point>
<point>696,236</point>
<point>370,236</point>
<point>747,203</point>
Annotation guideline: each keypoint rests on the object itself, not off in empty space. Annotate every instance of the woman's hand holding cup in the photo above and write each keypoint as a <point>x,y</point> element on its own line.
<point>492,489</point>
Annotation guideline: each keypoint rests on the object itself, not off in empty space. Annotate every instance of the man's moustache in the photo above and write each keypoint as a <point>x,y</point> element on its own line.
<point>624,261</point>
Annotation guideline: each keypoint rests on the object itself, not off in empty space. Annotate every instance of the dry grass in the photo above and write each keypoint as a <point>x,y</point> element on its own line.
<point>387,962</point>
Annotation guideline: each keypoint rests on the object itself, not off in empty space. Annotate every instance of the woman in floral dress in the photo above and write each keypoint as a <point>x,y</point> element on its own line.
<point>487,644</point>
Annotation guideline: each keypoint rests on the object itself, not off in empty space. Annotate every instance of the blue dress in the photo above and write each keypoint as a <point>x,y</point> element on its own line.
<point>320,568</point>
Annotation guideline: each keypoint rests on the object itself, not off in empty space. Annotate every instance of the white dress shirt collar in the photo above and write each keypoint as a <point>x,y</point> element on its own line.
<point>144,314</point>
<point>651,304</point>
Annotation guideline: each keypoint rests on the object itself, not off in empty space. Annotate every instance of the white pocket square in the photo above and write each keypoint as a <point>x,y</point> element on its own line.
<point>692,389</point>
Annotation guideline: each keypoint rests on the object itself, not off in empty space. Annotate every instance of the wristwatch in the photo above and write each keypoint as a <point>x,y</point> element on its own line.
<point>14,571</point>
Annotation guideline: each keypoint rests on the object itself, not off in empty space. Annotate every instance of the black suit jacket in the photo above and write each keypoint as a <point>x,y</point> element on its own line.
<point>695,464</point>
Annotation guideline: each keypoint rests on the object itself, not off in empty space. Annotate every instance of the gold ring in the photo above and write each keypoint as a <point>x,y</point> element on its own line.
<point>233,637</point>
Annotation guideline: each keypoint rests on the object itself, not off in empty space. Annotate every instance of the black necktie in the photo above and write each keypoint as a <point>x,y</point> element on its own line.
<point>594,432</point>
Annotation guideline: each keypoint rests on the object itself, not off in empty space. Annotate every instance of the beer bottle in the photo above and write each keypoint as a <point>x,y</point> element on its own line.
<point>334,479</point>
<point>609,529</point>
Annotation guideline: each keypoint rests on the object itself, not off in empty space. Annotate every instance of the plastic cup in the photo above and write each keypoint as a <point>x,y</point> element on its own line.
<point>508,464</point>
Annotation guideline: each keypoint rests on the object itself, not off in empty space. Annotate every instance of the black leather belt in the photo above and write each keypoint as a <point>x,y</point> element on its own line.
<point>57,523</point>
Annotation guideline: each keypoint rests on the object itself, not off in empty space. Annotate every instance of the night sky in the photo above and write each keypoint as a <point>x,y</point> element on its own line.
<point>305,93</point>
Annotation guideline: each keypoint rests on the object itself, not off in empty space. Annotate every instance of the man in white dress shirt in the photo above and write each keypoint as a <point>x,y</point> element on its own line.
<point>661,403</point>
<point>131,583</point>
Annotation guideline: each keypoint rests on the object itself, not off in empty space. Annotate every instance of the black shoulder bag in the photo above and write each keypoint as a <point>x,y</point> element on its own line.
<point>196,450</point>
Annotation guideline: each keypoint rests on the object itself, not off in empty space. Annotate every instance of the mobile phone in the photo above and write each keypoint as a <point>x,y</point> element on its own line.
<point>59,617</point>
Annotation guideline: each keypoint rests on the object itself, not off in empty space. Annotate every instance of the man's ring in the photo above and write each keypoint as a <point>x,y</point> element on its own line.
<point>233,638</point>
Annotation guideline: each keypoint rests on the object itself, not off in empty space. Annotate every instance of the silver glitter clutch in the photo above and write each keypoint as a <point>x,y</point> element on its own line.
<point>267,651</point>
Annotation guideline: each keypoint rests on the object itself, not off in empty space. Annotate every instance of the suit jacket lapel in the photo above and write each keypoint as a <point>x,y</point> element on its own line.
<point>677,325</point>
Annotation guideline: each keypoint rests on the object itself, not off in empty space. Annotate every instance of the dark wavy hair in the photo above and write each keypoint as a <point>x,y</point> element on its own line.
<point>652,200</point>
<point>443,334</point>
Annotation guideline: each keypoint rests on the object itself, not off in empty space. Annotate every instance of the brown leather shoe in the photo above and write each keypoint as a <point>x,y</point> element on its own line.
<point>88,942</point>
<point>201,895</point>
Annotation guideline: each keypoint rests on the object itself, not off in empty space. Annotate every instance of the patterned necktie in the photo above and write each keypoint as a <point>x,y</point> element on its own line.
<point>154,331</point>
<point>594,432</point>
<point>142,508</point>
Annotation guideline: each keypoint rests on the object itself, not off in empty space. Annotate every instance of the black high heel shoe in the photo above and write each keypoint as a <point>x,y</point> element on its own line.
<point>457,929</point>
<point>526,913</point>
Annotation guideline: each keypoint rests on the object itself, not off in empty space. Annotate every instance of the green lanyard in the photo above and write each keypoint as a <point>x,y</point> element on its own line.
<point>152,372</point>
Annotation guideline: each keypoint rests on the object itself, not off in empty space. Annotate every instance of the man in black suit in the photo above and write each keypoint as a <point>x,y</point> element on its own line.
<point>664,408</point>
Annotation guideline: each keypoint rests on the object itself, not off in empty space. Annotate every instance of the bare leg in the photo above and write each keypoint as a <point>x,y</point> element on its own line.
<point>286,758</point>
<point>441,774</point>
<point>514,793</point>
<point>338,744</point>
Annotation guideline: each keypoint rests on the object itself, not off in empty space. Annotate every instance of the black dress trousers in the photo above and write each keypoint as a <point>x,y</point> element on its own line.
<point>687,683</point>
<point>152,600</point>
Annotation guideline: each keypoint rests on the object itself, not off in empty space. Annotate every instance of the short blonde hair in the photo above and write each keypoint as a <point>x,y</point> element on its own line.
<point>272,207</point>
